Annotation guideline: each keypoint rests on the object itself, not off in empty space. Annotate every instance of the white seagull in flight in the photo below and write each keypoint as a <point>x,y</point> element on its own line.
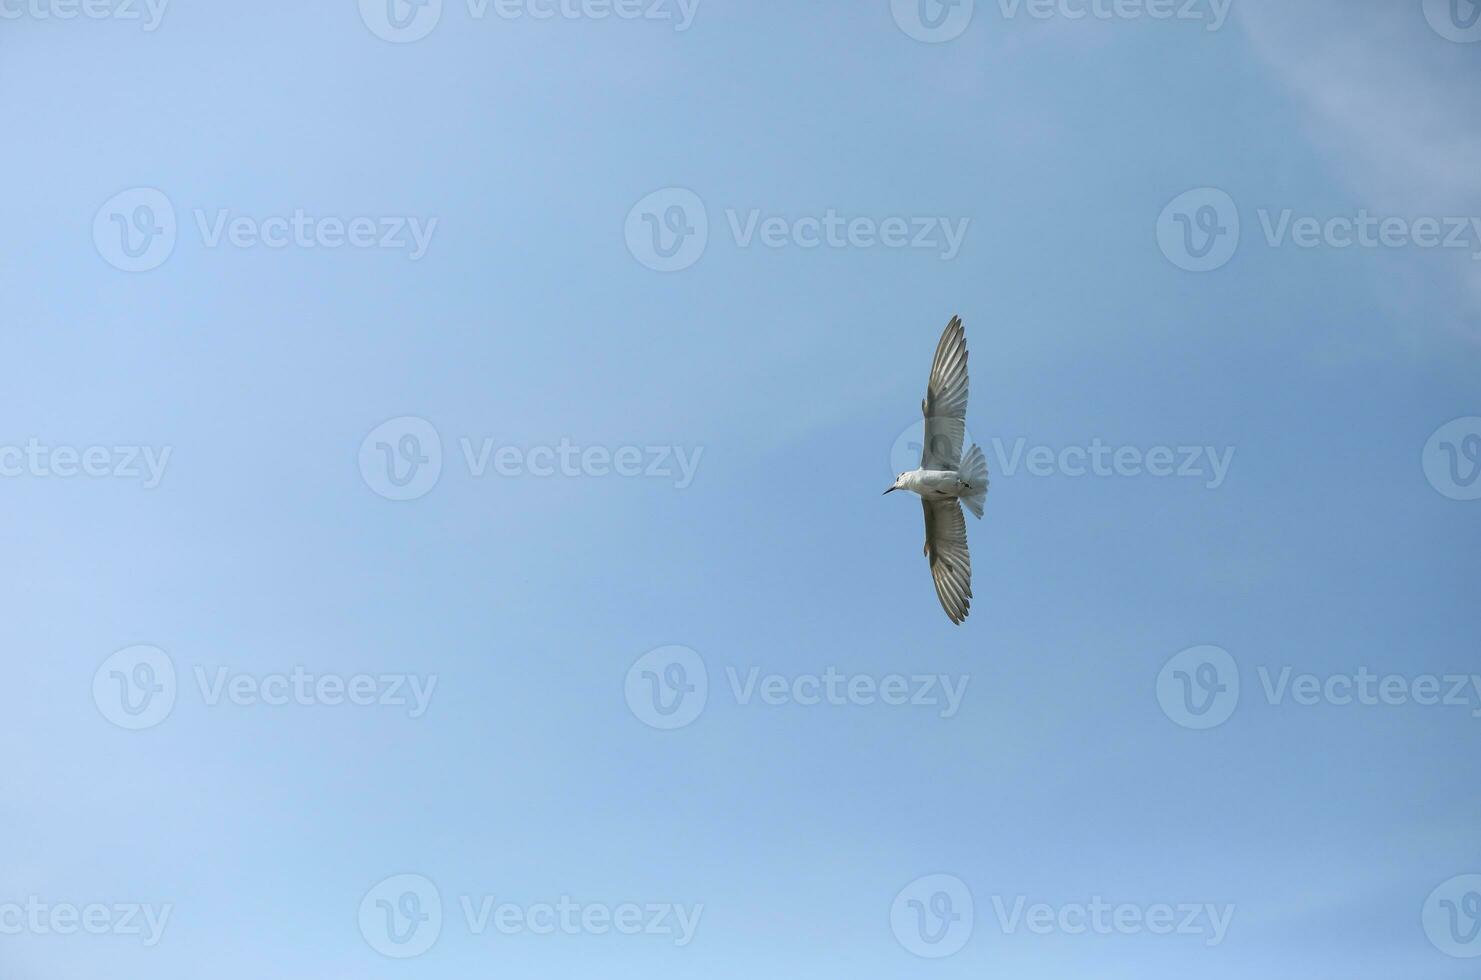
<point>945,480</point>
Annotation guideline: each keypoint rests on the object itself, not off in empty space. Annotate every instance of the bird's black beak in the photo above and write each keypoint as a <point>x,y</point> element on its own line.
<point>890,491</point>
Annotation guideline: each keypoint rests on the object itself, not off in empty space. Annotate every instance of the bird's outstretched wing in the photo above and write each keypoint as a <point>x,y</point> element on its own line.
<point>946,547</point>
<point>945,406</point>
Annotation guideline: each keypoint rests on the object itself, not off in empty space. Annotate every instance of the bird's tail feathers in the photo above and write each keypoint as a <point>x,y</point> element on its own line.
<point>974,474</point>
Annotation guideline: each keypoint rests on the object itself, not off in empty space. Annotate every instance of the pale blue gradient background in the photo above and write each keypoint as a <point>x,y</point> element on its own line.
<point>529,321</point>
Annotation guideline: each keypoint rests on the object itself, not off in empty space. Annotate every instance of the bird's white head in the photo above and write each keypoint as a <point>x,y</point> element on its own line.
<point>899,484</point>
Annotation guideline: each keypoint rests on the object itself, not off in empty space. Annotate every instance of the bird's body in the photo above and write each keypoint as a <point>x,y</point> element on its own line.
<point>934,483</point>
<point>947,479</point>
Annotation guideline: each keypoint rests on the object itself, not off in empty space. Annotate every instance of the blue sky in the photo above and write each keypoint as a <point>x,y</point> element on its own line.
<point>289,356</point>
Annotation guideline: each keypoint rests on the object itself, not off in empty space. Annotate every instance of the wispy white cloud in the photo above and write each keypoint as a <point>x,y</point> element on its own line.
<point>1397,107</point>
